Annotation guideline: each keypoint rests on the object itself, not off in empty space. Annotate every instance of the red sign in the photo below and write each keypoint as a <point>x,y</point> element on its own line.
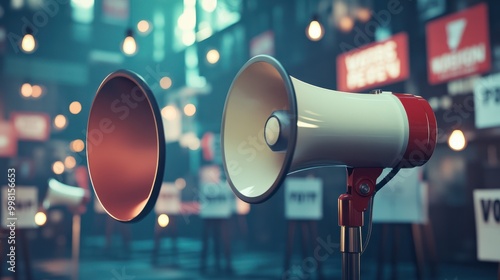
<point>8,140</point>
<point>31,126</point>
<point>458,45</point>
<point>376,64</point>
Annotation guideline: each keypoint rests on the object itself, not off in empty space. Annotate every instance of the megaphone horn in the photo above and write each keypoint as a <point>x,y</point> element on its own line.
<point>125,146</point>
<point>65,195</point>
<point>274,124</point>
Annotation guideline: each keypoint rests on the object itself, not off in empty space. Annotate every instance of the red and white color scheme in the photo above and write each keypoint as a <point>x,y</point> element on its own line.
<point>31,126</point>
<point>458,45</point>
<point>8,140</point>
<point>374,65</point>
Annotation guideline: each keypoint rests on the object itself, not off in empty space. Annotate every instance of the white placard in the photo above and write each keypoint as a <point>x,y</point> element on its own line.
<point>487,211</point>
<point>25,207</point>
<point>303,199</point>
<point>169,200</point>
<point>403,199</point>
<point>216,200</point>
<point>487,101</point>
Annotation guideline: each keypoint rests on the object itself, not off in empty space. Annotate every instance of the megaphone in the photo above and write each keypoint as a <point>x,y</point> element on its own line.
<point>274,124</point>
<point>61,194</point>
<point>125,146</point>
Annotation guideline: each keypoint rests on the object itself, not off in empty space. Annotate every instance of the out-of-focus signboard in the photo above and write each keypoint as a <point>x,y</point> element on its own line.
<point>374,65</point>
<point>458,45</point>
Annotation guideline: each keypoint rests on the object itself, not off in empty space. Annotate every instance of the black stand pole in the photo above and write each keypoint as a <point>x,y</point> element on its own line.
<point>350,247</point>
<point>26,253</point>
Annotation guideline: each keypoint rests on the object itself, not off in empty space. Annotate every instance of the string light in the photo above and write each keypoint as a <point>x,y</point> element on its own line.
<point>129,45</point>
<point>28,43</point>
<point>315,30</point>
<point>457,141</point>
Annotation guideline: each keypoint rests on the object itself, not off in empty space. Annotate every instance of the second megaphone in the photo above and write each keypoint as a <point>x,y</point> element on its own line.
<point>274,124</point>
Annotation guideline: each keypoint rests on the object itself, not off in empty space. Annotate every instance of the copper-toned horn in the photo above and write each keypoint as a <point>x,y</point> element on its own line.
<point>125,146</point>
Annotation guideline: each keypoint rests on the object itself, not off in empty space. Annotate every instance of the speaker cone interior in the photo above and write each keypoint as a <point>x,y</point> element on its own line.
<point>243,129</point>
<point>125,146</point>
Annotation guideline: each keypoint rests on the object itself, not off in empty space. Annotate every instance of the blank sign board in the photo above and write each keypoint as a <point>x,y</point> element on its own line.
<point>403,199</point>
<point>19,206</point>
<point>303,199</point>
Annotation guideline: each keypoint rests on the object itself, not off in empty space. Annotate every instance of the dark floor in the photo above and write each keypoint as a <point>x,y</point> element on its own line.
<point>97,263</point>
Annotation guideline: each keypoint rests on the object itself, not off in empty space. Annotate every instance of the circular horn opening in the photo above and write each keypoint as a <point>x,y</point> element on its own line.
<point>253,169</point>
<point>125,146</point>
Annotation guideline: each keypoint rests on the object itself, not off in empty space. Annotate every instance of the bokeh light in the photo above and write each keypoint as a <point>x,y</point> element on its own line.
<point>28,43</point>
<point>77,145</point>
<point>170,112</point>
<point>165,82</point>
<point>315,31</point>
<point>457,141</point>
<point>213,56</point>
<point>163,220</point>
<point>209,5</point>
<point>70,162</point>
<point>75,107</point>
<point>143,26</point>
<point>40,218</point>
<point>60,122</point>
<point>36,91</point>
<point>180,183</point>
<point>129,46</point>
<point>26,90</point>
<point>346,24</point>
<point>364,14</point>
<point>58,167</point>
<point>189,110</point>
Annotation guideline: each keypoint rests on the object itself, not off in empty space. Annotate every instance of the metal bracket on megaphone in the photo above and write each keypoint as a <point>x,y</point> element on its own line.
<point>361,187</point>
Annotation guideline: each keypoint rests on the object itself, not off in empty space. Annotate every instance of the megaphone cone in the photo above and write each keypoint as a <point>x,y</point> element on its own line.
<point>61,194</point>
<point>274,124</point>
<point>125,146</point>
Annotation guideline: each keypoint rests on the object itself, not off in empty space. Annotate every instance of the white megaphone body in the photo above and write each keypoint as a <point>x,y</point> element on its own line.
<point>274,124</point>
<point>59,194</point>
